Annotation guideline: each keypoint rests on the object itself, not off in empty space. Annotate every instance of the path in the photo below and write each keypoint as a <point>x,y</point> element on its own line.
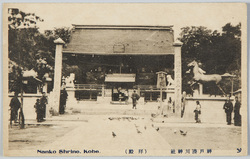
<point>96,134</point>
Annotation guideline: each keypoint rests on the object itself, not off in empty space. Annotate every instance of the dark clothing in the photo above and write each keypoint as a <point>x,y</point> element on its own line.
<point>43,102</point>
<point>228,106</point>
<point>197,111</point>
<point>229,118</point>
<point>183,103</point>
<point>196,116</point>
<point>173,107</point>
<point>135,97</point>
<point>39,111</point>
<point>14,105</point>
<point>237,116</point>
<point>63,98</point>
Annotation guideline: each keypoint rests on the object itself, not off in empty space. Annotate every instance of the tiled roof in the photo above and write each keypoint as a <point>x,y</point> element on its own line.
<point>112,39</point>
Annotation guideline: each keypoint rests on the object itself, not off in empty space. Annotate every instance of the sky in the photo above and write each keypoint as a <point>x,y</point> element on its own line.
<point>211,15</point>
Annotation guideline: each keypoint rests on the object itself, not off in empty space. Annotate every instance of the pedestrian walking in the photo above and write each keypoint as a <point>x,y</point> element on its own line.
<point>237,116</point>
<point>63,99</point>
<point>43,102</point>
<point>14,106</point>
<point>197,112</point>
<point>228,106</point>
<point>135,97</point>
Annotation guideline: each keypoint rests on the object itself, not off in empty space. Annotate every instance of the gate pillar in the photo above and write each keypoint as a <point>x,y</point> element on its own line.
<point>57,73</point>
<point>177,78</point>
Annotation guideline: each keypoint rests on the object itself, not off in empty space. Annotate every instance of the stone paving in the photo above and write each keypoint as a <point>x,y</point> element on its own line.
<point>117,128</point>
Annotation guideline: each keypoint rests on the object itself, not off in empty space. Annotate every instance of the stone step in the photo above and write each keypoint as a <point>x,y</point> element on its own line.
<point>110,111</point>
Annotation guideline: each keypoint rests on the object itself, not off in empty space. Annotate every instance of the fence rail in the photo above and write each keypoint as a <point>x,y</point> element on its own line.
<point>100,86</point>
<point>89,86</point>
<point>153,87</point>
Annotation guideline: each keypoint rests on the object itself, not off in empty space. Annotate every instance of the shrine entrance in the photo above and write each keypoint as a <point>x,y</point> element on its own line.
<point>116,59</point>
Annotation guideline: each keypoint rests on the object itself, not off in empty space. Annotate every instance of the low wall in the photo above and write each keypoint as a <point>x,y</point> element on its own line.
<point>29,101</point>
<point>211,109</point>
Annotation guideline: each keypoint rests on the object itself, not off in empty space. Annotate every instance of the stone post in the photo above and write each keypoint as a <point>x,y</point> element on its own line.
<point>200,89</point>
<point>139,91</point>
<point>177,78</point>
<point>57,73</point>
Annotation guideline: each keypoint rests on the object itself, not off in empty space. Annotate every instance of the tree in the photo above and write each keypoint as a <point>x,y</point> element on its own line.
<point>63,33</point>
<point>22,33</point>
<point>20,40</point>
<point>217,52</point>
<point>19,19</point>
<point>29,48</point>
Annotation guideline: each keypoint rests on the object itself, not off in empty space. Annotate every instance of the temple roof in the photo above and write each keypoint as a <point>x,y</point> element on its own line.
<point>143,27</point>
<point>121,39</point>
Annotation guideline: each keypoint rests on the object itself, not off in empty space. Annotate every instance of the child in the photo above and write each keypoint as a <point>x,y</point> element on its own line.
<point>197,111</point>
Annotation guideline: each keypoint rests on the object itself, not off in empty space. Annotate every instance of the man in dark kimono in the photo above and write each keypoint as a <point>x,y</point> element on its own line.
<point>39,110</point>
<point>237,116</point>
<point>135,97</point>
<point>14,106</point>
<point>43,102</point>
<point>228,106</point>
<point>63,98</point>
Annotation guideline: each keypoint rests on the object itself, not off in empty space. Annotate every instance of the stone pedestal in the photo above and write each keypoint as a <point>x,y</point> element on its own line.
<point>196,93</point>
<point>200,89</point>
<point>45,87</point>
<point>141,101</point>
<point>71,101</point>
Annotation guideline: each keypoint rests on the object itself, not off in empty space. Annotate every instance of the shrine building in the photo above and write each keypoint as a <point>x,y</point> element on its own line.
<point>108,60</point>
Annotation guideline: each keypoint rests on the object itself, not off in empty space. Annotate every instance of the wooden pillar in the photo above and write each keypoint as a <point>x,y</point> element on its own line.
<point>232,87</point>
<point>178,78</point>
<point>90,93</point>
<point>161,100</point>
<point>103,91</point>
<point>151,96</point>
<point>57,73</point>
<point>112,93</point>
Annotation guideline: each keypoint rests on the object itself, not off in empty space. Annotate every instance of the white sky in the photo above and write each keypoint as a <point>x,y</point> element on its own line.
<point>211,15</point>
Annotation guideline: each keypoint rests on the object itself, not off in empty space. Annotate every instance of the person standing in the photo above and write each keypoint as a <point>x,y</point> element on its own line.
<point>43,102</point>
<point>170,103</point>
<point>14,106</point>
<point>126,95</point>
<point>135,97</point>
<point>228,106</point>
<point>183,103</point>
<point>173,107</point>
<point>237,116</point>
<point>63,99</point>
<point>37,106</point>
<point>197,112</point>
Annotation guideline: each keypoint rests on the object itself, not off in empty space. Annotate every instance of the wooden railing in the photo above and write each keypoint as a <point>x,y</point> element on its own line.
<point>153,87</point>
<point>89,86</point>
<point>100,86</point>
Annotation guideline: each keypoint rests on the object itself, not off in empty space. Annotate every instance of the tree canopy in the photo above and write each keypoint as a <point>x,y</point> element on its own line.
<point>29,48</point>
<point>218,53</point>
